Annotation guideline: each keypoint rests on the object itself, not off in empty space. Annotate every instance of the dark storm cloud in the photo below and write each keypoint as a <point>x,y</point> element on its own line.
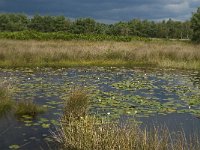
<point>105,10</point>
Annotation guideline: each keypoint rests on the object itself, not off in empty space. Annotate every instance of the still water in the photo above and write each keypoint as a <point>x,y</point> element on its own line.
<point>152,97</point>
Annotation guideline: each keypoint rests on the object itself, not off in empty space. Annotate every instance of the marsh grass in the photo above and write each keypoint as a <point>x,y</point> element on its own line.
<point>155,53</point>
<point>20,108</point>
<point>90,133</point>
<point>79,131</point>
<point>6,103</point>
<point>76,105</point>
<point>28,107</point>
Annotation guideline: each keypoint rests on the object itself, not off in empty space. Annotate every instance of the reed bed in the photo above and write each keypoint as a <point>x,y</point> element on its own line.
<point>158,53</point>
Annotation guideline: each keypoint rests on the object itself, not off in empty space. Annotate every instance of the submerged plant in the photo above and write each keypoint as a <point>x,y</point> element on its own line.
<point>28,107</point>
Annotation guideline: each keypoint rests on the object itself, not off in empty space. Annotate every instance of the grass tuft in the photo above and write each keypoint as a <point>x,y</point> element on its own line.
<point>76,105</point>
<point>79,131</point>
<point>5,102</point>
<point>28,107</point>
<point>90,133</point>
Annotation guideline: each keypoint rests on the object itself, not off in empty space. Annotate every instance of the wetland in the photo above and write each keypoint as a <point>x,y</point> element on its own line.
<point>148,97</point>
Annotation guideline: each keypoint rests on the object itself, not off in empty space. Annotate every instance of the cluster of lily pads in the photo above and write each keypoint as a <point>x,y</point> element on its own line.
<point>115,92</point>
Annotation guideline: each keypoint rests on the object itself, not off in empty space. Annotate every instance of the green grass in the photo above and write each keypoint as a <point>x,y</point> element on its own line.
<point>80,131</point>
<point>20,108</point>
<point>34,35</point>
<point>28,107</point>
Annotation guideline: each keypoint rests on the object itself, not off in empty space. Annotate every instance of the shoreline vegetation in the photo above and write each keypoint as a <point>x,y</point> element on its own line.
<point>18,108</point>
<point>81,131</point>
<point>152,53</point>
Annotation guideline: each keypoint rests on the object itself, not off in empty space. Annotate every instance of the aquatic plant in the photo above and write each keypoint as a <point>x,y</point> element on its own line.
<point>76,105</point>
<point>90,133</point>
<point>5,102</point>
<point>28,107</point>
<point>80,131</point>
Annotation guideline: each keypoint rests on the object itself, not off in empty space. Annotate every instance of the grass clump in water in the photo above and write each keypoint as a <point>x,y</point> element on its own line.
<point>90,133</point>
<point>79,131</point>
<point>28,107</point>
<point>5,102</point>
<point>76,106</point>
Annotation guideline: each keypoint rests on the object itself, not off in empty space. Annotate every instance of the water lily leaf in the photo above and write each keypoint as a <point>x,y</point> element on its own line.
<point>14,146</point>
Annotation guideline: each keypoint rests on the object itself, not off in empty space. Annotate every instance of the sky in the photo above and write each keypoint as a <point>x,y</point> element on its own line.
<point>107,11</point>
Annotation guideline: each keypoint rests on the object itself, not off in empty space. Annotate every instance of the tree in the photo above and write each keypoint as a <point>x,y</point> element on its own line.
<point>84,26</point>
<point>13,22</point>
<point>195,25</point>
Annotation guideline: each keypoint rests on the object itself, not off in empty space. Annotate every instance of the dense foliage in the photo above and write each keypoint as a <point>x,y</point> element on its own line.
<point>135,27</point>
<point>34,35</point>
<point>195,25</point>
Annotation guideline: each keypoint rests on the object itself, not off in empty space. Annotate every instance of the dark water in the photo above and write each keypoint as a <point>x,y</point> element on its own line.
<point>154,97</point>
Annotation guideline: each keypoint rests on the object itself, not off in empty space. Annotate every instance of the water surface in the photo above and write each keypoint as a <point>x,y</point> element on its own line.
<point>152,97</point>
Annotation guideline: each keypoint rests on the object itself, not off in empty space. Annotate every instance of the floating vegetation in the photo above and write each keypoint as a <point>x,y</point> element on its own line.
<point>115,93</point>
<point>14,146</point>
<point>131,84</point>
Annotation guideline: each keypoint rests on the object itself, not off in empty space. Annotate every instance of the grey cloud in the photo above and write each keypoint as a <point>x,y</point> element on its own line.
<point>105,10</point>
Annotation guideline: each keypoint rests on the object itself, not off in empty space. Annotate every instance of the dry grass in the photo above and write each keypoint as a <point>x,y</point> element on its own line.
<point>79,131</point>
<point>105,53</point>
<point>88,133</point>
<point>76,106</point>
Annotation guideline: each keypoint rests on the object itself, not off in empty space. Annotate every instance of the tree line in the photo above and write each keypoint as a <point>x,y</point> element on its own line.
<point>143,28</point>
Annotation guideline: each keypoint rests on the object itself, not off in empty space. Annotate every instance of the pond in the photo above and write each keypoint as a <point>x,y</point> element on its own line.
<point>151,97</point>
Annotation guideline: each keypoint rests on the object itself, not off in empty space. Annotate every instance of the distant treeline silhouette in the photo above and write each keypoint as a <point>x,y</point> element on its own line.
<point>136,27</point>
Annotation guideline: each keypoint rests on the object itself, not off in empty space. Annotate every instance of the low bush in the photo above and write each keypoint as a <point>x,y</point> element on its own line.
<point>34,35</point>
